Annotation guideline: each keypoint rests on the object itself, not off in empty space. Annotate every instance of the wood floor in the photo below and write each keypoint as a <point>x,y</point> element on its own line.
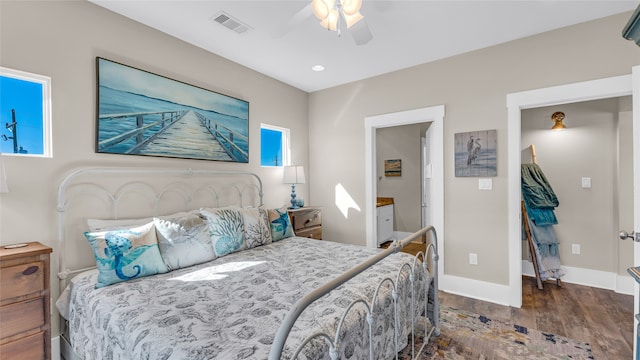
<point>600,317</point>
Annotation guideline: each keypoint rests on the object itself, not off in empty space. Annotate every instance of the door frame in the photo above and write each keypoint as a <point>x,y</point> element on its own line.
<point>635,107</point>
<point>434,115</point>
<point>516,102</point>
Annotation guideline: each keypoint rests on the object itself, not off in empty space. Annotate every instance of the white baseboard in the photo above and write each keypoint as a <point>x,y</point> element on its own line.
<point>481,290</point>
<point>625,285</point>
<point>55,348</point>
<point>499,294</point>
<point>595,278</point>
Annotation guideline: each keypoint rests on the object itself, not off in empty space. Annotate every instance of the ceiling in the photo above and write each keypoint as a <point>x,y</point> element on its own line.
<point>285,40</point>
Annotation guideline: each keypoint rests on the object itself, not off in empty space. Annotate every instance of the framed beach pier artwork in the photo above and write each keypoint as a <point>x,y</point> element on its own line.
<point>141,113</point>
<point>475,153</point>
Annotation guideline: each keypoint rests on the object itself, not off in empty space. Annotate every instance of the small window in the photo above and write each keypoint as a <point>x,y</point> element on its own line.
<point>25,113</point>
<point>274,145</point>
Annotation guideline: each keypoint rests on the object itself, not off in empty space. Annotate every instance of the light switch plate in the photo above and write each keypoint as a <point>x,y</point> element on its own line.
<point>485,184</point>
<point>586,182</point>
<point>575,249</point>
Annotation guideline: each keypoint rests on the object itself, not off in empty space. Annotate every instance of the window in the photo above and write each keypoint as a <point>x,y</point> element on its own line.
<point>274,145</point>
<point>25,113</point>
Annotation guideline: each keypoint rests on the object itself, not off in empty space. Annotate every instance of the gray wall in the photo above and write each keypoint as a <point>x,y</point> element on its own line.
<point>61,39</point>
<point>589,147</point>
<point>473,88</point>
<point>401,142</point>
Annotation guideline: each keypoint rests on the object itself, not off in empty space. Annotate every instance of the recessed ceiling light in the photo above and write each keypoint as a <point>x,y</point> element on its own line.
<point>317,68</point>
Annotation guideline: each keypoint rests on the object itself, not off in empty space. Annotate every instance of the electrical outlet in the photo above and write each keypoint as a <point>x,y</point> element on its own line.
<point>473,259</point>
<point>575,249</point>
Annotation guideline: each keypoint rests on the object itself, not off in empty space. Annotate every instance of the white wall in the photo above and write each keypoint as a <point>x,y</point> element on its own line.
<point>61,39</point>
<point>473,87</point>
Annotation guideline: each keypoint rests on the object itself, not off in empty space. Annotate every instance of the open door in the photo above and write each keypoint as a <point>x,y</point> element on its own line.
<point>426,179</point>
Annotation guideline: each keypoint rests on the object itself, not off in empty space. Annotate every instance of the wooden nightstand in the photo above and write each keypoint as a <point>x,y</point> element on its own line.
<point>25,328</point>
<point>307,222</point>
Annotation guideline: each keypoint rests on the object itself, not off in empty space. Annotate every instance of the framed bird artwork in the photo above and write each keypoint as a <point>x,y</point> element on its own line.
<point>475,153</point>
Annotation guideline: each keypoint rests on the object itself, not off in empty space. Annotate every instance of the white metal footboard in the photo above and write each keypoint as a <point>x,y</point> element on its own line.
<point>431,303</point>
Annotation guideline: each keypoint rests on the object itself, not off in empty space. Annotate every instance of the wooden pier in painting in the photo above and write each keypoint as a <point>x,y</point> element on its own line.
<point>187,134</point>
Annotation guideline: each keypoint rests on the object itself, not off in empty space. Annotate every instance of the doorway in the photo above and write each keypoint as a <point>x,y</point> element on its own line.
<point>435,140</point>
<point>589,166</point>
<point>400,186</point>
<point>565,94</point>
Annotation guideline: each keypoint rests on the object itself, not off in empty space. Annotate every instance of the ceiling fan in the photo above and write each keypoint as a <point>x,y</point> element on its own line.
<point>336,15</point>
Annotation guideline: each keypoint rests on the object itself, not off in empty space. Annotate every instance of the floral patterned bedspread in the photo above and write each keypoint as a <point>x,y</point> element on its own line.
<point>231,308</point>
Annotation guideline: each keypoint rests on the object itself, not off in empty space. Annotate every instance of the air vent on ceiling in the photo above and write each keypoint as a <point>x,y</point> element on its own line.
<point>231,23</point>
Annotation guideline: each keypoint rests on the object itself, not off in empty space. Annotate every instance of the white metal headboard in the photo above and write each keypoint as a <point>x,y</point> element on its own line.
<point>122,193</point>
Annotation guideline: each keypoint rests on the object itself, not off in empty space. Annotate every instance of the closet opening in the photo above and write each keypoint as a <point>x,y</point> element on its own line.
<point>588,166</point>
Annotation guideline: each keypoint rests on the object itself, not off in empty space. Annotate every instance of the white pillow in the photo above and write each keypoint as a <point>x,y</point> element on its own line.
<point>184,240</point>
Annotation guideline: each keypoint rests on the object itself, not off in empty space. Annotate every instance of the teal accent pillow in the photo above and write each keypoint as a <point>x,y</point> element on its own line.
<point>126,254</point>
<point>256,227</point>
<point>184,240</point>
<point>280,224</point>
<point>226,229</point>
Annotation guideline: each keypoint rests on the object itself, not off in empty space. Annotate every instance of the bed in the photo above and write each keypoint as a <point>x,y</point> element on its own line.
<point>277,296</point>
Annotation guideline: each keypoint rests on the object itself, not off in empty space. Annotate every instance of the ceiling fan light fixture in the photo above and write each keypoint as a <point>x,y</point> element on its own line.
<point>331,21</point>
<point>322,8</point>
<point>329,13</point>
<point>351,7</point>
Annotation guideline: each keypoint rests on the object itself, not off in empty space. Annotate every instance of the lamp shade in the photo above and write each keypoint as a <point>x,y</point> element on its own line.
<point>293,174</point>
<point>4,187</point>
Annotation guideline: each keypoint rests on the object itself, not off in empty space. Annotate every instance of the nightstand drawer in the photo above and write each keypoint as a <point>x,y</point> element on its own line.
<point>21,317</point>
<point>28,348</point>
<point>313,233</point>
<point>307,222</point>
<point>307,219</point>
<point>21,279</point>
<point>25,328</point>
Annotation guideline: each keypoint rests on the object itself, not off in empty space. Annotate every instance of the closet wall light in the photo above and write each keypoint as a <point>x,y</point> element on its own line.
<point>557,118</point>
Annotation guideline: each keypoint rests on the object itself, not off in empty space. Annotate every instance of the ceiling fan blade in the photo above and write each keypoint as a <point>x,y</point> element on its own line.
<point>295,20</point>
<point>360,32</point>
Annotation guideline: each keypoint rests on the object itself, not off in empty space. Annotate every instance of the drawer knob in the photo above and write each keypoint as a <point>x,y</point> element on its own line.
<point>30,270</point>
